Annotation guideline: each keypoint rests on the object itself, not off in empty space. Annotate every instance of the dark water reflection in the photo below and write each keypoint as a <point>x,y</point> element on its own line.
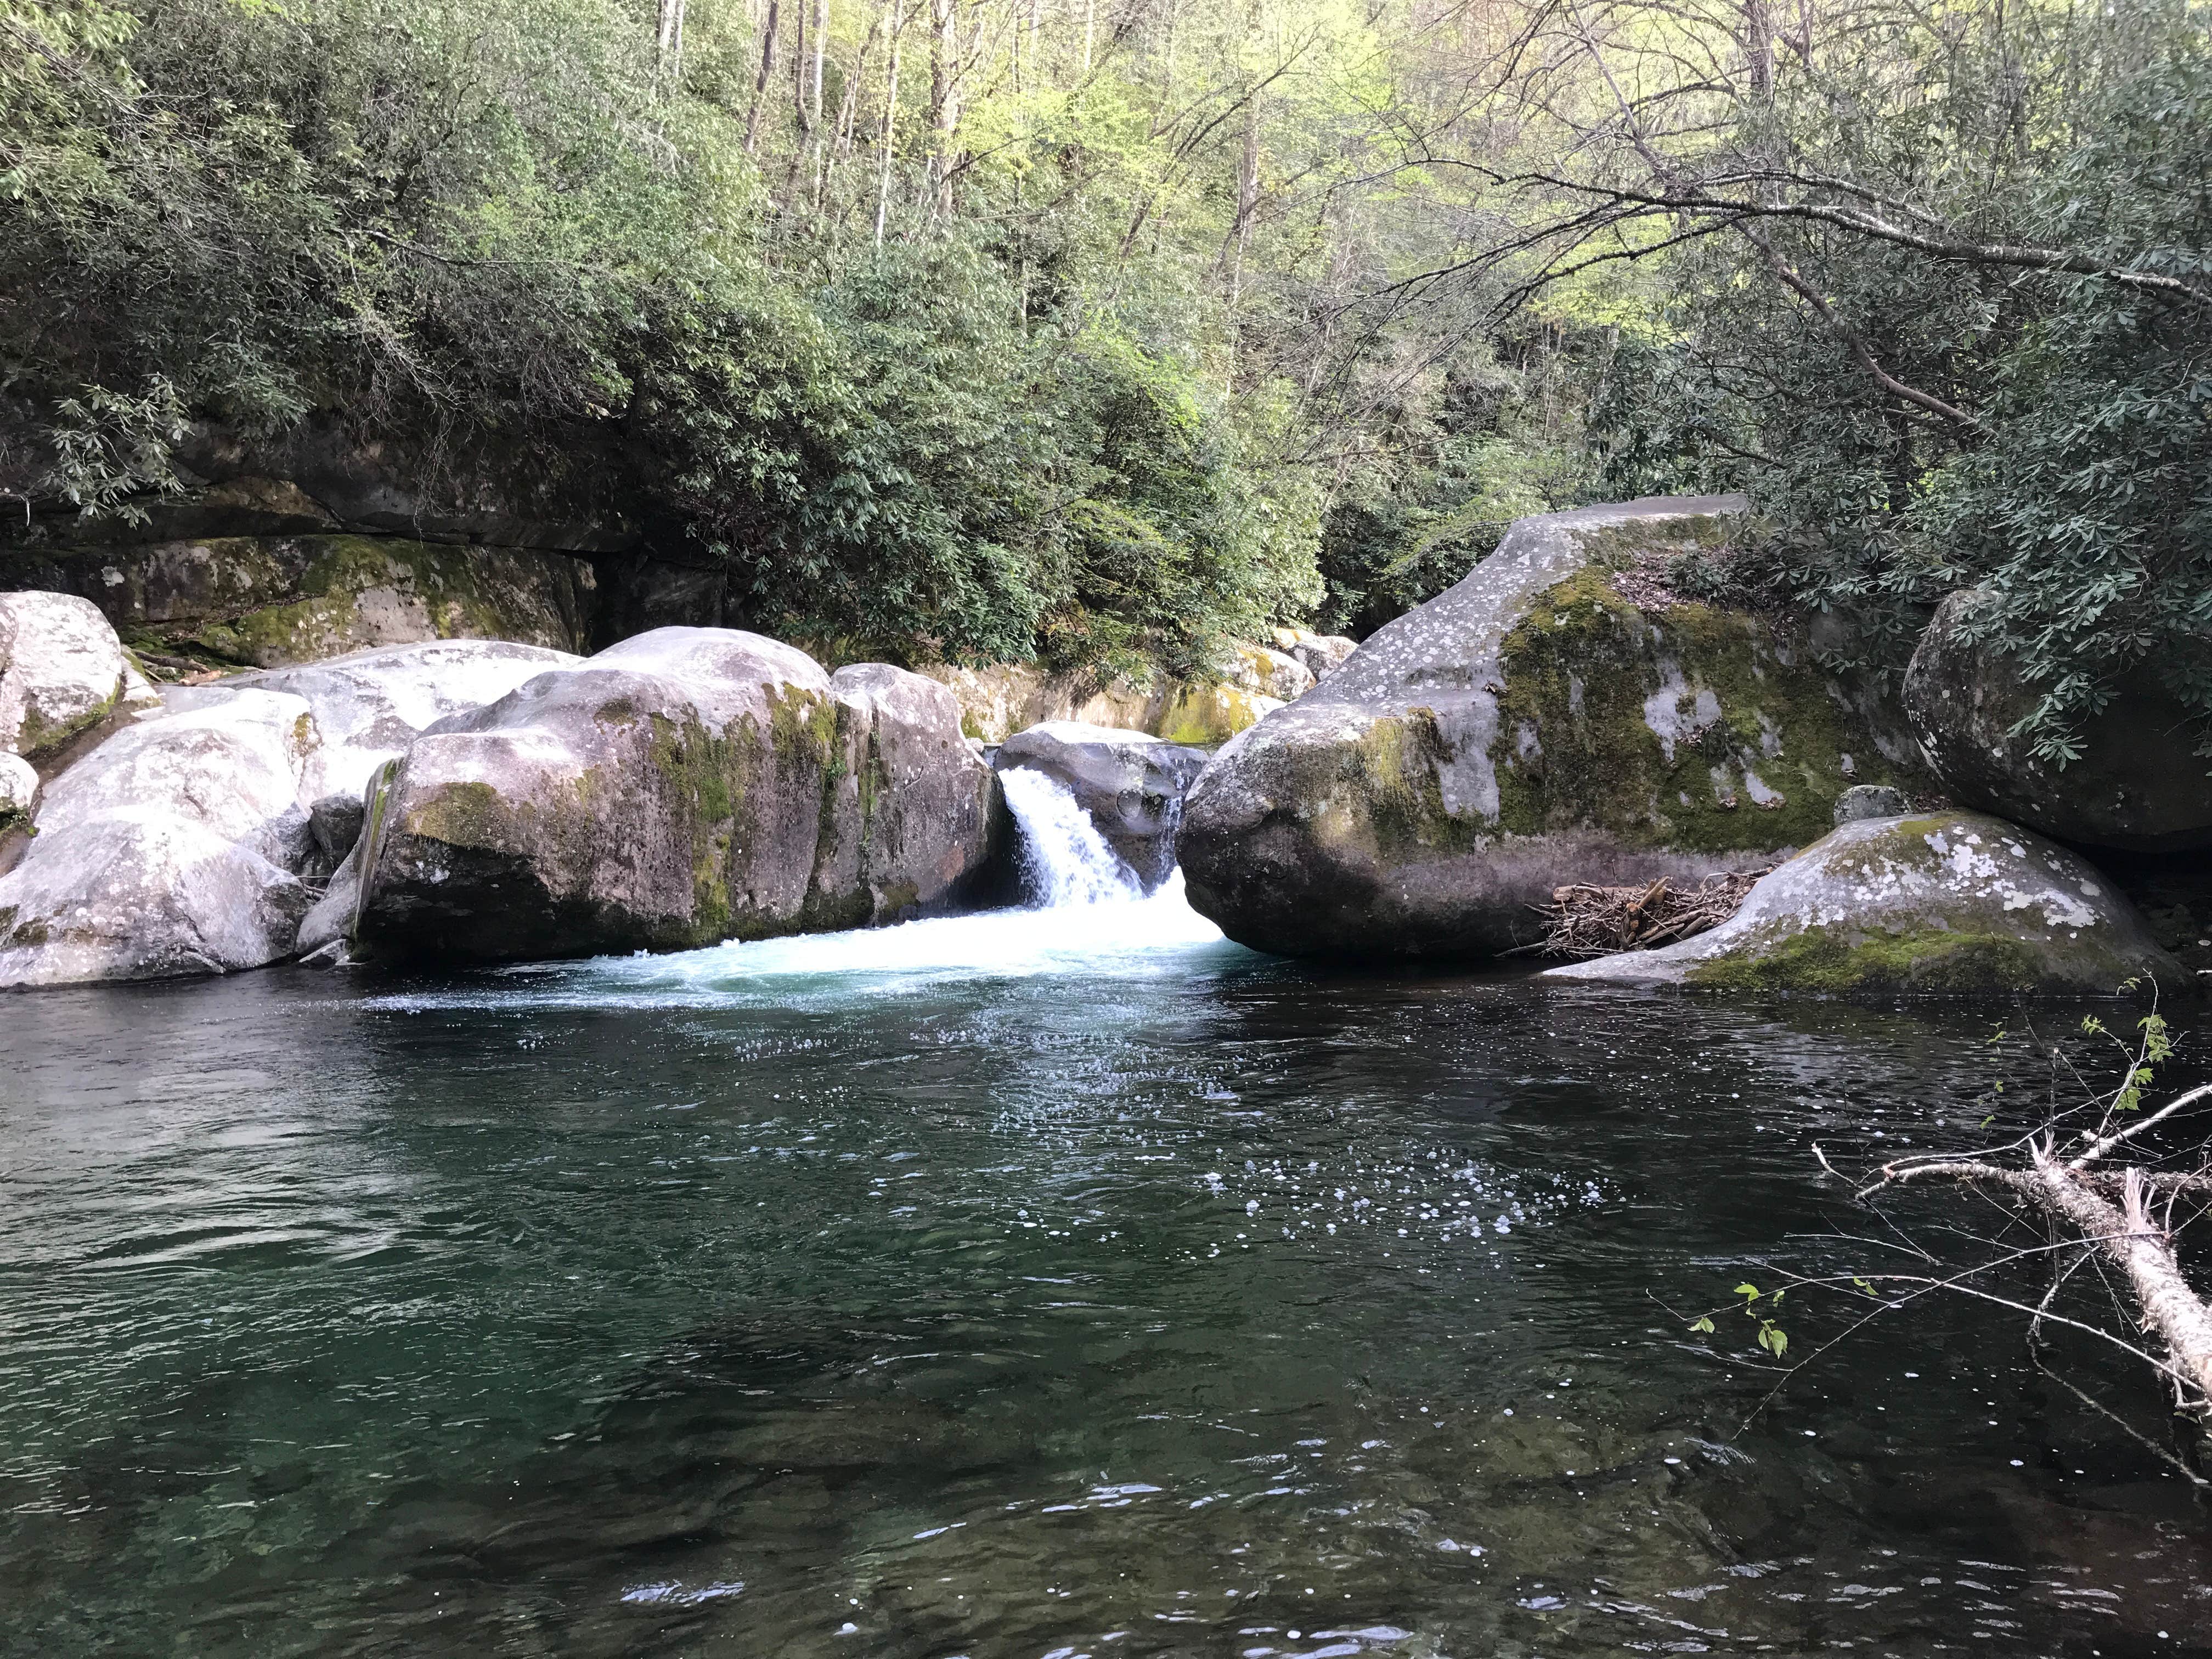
<point>674,1308</point>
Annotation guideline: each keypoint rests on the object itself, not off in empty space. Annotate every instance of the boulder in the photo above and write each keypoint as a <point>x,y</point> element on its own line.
<point>62,671</point>
<point>912,819</point>
<point>168,850</point>
<point>370,705</point>
<point>2138,784</point>
<point>274,601</point>
<point>998,701</point>
<point>1317,654</point>
<point>1530,727</point>
<point>685,787</point>
<point>1950,903</point>
<point>1130,783</point>
<point>19,792</point>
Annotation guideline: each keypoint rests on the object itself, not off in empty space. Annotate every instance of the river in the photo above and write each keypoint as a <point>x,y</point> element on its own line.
<point>1045,1282</point>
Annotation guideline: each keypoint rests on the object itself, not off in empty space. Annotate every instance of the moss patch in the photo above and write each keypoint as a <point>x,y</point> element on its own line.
<point>1826,959</point>
<point>1694,728</point>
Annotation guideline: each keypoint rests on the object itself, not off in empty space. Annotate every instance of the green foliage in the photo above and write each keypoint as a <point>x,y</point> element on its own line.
<point>2076,496</point>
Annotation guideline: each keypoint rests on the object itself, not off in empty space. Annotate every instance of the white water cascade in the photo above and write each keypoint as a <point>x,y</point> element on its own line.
<point>1091,921</point>
<point>1067,860</point>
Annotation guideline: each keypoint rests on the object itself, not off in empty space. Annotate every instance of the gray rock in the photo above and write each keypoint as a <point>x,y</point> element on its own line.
<point>19,792</point>
<point>682,787</point>
<point>1132,785</point>
<point>169,850</point>
<point>370,705</point>
<point>2138,784</point>
<point>1531,726</point>
<point>334,824</point>
<point>911,823</point>
<point>62,671</point>
<point>1870,800</point>
<point>1946,903</point>
<point>1322,654</point>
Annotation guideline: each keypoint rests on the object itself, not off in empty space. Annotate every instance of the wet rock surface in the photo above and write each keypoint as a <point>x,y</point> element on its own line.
<point>1132,785</point>
<point>2138,784</point>
<point>1954,903</point>
<point>1531,726</point>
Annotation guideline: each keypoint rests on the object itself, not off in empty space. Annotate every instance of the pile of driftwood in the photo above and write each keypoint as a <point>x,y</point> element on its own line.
<point>1583,920</point>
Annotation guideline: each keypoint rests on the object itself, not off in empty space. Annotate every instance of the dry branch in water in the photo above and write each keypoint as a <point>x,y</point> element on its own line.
<point>2126,1216</point>
<point>1584,921</point>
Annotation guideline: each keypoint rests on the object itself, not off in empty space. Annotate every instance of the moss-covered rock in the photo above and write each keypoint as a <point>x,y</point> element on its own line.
<point>1954,903</point>
<point>276,601</point>
<point>1532,726</point>
<point>2138,784</point>
<point>685,787</point>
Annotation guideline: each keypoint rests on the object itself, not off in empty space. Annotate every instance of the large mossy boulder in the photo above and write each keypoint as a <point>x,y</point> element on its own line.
<point>683,787</point>
<point>171,849</point>
<point>2138,783</point>
<point>1531,726</point>
<point>1952,903</point>
<point>277,601</point>
<point>1130,783</point>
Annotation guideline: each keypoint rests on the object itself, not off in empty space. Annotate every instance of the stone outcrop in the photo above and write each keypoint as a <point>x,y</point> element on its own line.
<point>998,702</point>
<point>1131,784</point>
<point>685,787</point>
<point>2138,784</point>
<point>62,671</point>
<point>370,705</point>
<point>325,475</point>
<point>169,850</point>
<point>273,601</point>
<point>1951,902</point>
<point>1532,726</point>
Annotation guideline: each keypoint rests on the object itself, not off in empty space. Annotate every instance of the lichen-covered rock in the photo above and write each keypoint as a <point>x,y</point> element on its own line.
<point>2138,784</point>
<point>271,602</point>
<point>370,705</point>
<point>1949,904</point>
<point>62,671</point>
<point>998,701</point>
<point>682,787</point>
<point>1132,785</point>
<point>168,850</point>
<point>1528,727</point>
<point>1870,800</point>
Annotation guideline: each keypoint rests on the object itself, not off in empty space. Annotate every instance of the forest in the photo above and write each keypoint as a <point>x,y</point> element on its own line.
<point>1097,333</point>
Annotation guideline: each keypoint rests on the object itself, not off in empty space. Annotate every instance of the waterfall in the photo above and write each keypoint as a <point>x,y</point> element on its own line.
<point>1066,860</point>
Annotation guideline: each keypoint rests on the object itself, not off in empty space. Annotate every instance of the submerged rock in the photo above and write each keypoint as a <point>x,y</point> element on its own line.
<point>1131,784</point>
<point>685,787</point>
<point>62,671</point>
<point>169,850</point>
<point>1529,728</point>
<point>1953,903</point>
<point>2138,784</point>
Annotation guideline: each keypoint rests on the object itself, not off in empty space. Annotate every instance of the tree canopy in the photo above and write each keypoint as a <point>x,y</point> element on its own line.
<point>1100,330</point>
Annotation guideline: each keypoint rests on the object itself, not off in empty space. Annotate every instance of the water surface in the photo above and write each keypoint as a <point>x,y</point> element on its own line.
<point>1036,1284</point>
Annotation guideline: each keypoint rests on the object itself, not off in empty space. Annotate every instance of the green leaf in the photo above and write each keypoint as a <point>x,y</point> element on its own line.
<point>1703,1323</point>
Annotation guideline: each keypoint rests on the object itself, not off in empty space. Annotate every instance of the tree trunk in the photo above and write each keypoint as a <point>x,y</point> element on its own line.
<point>891,122</point>
<point>670,43</point>
<point>760,81</point>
